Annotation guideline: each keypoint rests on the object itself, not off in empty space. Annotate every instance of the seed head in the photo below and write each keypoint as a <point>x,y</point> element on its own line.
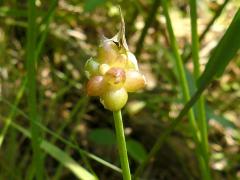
<point>114,72</point>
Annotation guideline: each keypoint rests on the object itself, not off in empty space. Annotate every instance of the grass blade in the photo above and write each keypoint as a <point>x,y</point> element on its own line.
<point>201,154</point>
<point>186,96</point>
<point>32,99</point>
<point>223,53</point>
<point>13,111</point>
<point>209,25</point>
<point>65,141</point>
<point>67,161</point>
<point>216,15</point>
<point>200,113</point>
<point>60,156</point>
<point>163,136</point>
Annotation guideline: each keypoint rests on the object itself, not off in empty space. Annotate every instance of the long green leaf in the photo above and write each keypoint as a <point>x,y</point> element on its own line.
<point>65,141</point>
<point>60,156</point>
<point>224,52</point>
<point>67,161</point>
<point>12,112</point>
<point>32,89</point>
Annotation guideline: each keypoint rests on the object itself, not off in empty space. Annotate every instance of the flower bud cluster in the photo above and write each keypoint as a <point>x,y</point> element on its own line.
<point>112,74</point>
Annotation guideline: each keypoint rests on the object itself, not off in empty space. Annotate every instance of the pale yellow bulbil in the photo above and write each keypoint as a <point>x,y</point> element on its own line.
<point>96,86</point>
<point>121,61</point>
<point>114,100</point>
<point>115,78</point>
<point>91,68</point>
<point>134,81</point>
<point>112,74</point>
<point>132,61</point>
<point>103,68</point>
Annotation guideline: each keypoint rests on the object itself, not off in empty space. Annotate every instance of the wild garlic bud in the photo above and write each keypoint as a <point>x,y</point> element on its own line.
<point>115,77</point>
<point>134,81</point>
<point>114,100</point>
<point>91,68</point>
<point>132,61</point>
<point>114,72</point>
<point>96,86</point>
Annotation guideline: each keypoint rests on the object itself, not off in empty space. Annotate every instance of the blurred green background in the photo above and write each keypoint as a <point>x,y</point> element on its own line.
<point>76,130</point>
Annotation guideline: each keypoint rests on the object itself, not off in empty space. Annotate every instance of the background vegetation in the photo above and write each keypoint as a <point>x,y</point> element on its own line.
<point>50,129</point>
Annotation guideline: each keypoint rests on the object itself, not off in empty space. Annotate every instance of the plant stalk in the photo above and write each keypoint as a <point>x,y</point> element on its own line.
<point>201,114</point>
<point>32,91</point>
<point>207,28</point>
<point>181,71</point>
<point>185,89</point>
<point>174,123</point>
<point>121,145</point>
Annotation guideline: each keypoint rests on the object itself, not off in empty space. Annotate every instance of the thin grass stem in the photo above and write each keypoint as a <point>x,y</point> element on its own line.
<point>32,98</point>
<point>201,114</point>
<point>163,136</point>
<point>209,25</point>
<point>121,145</point>
<point>180,70</point>
<point>185,90</point>
<point>211,22</point>
<point>12,113</point>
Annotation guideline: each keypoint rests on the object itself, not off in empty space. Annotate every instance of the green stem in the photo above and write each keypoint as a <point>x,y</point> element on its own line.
<point>162,138</point>
<point>201,114</point>
<point>184,86</point>
<point>195,41</point>
<point>195,49</point>
<point>211,22</point>
<point>32,97</point>
<point>180,70</point>
<point>121,145</point>
<point>209,25</point>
